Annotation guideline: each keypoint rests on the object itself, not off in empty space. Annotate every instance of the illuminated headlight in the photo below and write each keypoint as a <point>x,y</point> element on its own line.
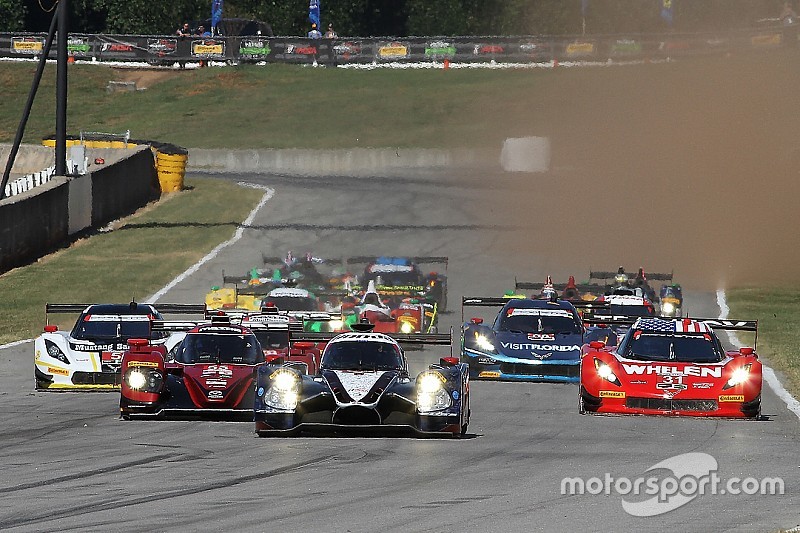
<point>668,309</point>
<point>605,372</point>
<point>431,394</point>
<point>55,352</point>
<point>136,379</point>
<point>283,392</point>
<point>406,327</point>
<point>482,342</point>
<point>739,376</point>
<point>144,379</point>
<point>336,325</point>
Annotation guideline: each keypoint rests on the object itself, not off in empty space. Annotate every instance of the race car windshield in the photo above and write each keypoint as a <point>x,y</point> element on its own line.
<point>273,340</point>
<point>539,324</point>
<point>680,348</point>
<point>219,348</point>
<point>114,329</point>
<point>631,310</point>
<point>293,303</point>
<point>360,355</point>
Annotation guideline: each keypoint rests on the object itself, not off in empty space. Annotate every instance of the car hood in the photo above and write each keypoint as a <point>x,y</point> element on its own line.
<point>217,386</point>
<point>364,387</point>
<point>539,346</point>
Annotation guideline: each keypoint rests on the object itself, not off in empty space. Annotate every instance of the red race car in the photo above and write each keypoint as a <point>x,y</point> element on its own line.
<point>672,367</point>
<point>210,373</point>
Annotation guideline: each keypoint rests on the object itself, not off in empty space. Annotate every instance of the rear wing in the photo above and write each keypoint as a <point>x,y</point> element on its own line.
<point>632,275</point>
<point>582,287</point>
<point>165,308</point>
<point>713,323</point>
<point>403,338</point>
<point>493,301</point>
<point>425,259</point>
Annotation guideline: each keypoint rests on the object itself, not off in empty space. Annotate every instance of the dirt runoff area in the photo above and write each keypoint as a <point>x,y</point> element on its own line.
<point>144,77</point>
<point>691,166</point>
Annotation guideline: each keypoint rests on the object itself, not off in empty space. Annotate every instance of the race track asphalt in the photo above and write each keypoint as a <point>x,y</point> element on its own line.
<point>69,463</point>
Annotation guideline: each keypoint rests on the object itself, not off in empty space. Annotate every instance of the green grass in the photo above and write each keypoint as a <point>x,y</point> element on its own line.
<point>778,315</point>
<point>134,261</point>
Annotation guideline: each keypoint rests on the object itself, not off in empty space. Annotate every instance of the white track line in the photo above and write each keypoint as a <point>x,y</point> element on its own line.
<point>15,343</point>
<point>269,193</point>
<point>769,375</point>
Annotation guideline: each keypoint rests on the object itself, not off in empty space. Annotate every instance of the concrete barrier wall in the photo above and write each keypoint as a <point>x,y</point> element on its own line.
<point>41,220</point>
<point>30,158</point>
<point>122,188</point>
<point>352,162</point>
<point>33,223</point>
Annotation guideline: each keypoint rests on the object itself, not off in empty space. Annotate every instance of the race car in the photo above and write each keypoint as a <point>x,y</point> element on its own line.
<point>401,277</point>
<point>639,284</point>
<point>364,385</point>
<point>672,367</point>
<point>671,300</point>
<point>210,373</point>
<point>530,340</point>
<point>406,316</point>
<point>570,290</point>
<point>88,357</point>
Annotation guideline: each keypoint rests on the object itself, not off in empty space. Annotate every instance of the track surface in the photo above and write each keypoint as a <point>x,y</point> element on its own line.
<point>70,464</point>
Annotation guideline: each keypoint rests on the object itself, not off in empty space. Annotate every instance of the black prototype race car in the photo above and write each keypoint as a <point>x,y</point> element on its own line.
<point>363,384</point>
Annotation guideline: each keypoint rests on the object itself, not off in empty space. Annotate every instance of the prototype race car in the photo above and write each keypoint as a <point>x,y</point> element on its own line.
<point>209,374</point>
<point>89,356</point>
<point>671,300</point>
<point>364,385</point>
<point>402,277</point>
<point>672,367</point>
<point>639,284</point>
<point>570,290</point>
<point>530,340</point>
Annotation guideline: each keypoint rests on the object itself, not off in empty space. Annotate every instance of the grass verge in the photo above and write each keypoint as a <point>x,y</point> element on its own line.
<point>144,253</point>
<point>778,327</point>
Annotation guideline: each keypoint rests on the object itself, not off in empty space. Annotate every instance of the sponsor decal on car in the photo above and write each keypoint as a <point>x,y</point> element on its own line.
<point>543,347</point>
<point>702,385</point>
<point>489,374</point>
<point>148,364</point>
<point>223,371</point>
<point>59,371</point>
<point>731,398</point>
<point>115,347</point>
<point>215,395</point>
<point>612,394</point>
<point>541,337</point>
<point>666,370</point>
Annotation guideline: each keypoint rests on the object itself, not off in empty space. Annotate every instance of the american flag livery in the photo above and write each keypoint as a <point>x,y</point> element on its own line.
<point>671,326</point>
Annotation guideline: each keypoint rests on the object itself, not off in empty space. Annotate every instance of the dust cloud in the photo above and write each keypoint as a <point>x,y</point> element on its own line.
<point>692,166</point>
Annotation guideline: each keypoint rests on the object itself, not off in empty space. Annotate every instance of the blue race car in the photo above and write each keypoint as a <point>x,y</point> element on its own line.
<point>530,340</point>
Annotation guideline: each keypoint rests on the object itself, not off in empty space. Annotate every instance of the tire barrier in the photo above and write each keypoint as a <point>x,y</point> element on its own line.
<point>171,166</point>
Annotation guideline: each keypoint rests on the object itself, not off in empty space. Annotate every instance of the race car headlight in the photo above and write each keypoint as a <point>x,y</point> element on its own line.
<point>667,308</point>
<point>55,352</point>
<point>146,380</point>
<point>406,327</point>
<point>431,394</point>
<point>483,342</point>
<point>283,392</point>
<point>739,376</point>
<point>336,325</point>
<point>605,372</point>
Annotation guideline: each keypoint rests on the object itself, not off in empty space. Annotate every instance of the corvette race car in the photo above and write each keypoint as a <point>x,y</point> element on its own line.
<point>89,356</point>
<point>672,367</point>
<point>530,340</point>
<point>210,373</point>
<point>363,384</point>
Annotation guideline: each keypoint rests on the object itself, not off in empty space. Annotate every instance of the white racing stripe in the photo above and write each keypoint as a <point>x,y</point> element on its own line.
<point>358,384</point>
<point>769,375</point>
<point>269,193</point>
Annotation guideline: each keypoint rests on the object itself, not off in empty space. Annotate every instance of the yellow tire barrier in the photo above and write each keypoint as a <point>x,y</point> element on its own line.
<point>170,181</point>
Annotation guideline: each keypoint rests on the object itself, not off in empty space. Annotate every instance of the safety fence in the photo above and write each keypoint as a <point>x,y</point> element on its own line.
<point>161,50</point>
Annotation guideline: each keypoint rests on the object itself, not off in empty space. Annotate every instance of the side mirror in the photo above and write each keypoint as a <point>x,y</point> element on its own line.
<point>476,320</point>
<point>746,351</point>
